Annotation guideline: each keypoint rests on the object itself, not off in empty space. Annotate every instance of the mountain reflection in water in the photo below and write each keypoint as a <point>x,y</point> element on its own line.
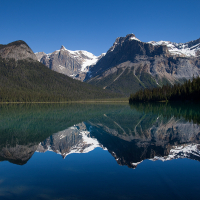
<point>130,134</point>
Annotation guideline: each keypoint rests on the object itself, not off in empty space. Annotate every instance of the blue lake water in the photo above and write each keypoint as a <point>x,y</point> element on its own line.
<point>106,151</point>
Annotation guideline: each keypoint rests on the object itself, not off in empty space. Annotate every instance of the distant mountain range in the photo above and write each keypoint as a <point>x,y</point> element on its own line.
<point>129,64</point>
<point>147,138</point>
<point>146,131</point>
<point>71,63</point>
<point>24,79</point>
<point>152,143</point>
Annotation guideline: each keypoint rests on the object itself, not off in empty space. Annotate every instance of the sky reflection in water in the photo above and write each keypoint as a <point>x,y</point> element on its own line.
<point>109,151</point>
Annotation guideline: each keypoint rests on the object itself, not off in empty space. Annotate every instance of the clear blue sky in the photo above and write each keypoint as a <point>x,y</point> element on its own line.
<point>93,25</point>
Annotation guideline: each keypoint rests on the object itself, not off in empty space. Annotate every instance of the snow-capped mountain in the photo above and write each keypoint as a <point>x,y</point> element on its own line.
<point>190,151</point>
<point>129,143</point>
<point>72,63</point>
<point>75,139</point>
<point>130,65</point>
<point>129,61</point>
<point>120,40</point>
<point>181,49</point>
<point>187,49</point>
<point>162,140</point>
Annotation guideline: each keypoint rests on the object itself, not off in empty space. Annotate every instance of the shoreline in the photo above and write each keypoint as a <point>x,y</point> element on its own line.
<point>68,102</point>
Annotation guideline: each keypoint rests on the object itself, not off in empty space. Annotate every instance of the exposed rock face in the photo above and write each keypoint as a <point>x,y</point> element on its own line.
<point>126,49</point>
<point>71,63</point>
<point>18,154</point>
<point>162,141</point>
<point>17,50</point>
<point>62,62</point>
<point>187,49</point>
<point>75,139</point>
<point>128,141</point>
<point>39,55</point>
<point>142,65</point>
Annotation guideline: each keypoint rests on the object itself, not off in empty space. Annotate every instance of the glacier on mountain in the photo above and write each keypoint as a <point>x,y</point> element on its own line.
<point>181,49</point>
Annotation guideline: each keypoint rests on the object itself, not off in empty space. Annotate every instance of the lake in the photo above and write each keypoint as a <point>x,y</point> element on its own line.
<point>100,151</point>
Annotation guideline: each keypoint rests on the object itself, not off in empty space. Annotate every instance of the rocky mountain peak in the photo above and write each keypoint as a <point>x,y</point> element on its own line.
<point>125,49</point>
<point>71,63</point>
<point>62,48</point>
<point>17,50</point>
<point>39,55</point>
<point>131,37</point>
<point>188,49</point>
<point>120,41</point>
<point>193,43</point>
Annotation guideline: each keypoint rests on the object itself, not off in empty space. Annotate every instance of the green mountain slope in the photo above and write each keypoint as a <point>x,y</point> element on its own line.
<point>126,80</point>
<point>31,81</point>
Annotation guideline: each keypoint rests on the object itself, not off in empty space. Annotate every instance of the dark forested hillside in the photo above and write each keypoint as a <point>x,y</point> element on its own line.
<point>190,90</point>
<point>125,80</point>
<point>25,81</point>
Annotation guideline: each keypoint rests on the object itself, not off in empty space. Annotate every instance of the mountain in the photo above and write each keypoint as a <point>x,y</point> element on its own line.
<point>75,139</point>
<point>17,50</point>
<point>162,140</point>
<point>130,65</point>
<point>161,144</point>
<point>18,154</point>
<point>146,131</point>
<point>132,137</point>
<point>71,63</point>
<point>188,49</point>
<point>24,79</point>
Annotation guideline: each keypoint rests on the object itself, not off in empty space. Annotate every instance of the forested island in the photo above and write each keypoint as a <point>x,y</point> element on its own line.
<point>189,91</point>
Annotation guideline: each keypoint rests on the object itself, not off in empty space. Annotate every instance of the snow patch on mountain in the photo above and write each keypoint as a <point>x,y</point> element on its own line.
<point>182,151</point>
<point>181,49</point>
<point>120,40</point>
<point>88,144</point>
<point>85,58</point>
<point>134,38</point>
<point>136,164</point>
<point>84,145</point>
<point>39,55</point>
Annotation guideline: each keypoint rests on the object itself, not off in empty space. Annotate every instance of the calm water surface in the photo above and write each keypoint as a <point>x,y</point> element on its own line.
<point>91,151</point>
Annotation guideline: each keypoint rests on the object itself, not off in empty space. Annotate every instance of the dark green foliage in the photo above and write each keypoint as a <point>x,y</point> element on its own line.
<point>106,81</point>
<point>24,81</point>
<point>164,81</point>
<point>32,123</point>
<point>190,91</point>
<point>125,82</point>
<point>148,81</point>
<point>190,111</point>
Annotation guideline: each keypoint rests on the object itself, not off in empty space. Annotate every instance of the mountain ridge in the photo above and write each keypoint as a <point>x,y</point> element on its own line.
<point>24,79</point>
<point>129,49</point>
<point>130,65</point>
<point>71,63</point>
<point>17,50</point>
